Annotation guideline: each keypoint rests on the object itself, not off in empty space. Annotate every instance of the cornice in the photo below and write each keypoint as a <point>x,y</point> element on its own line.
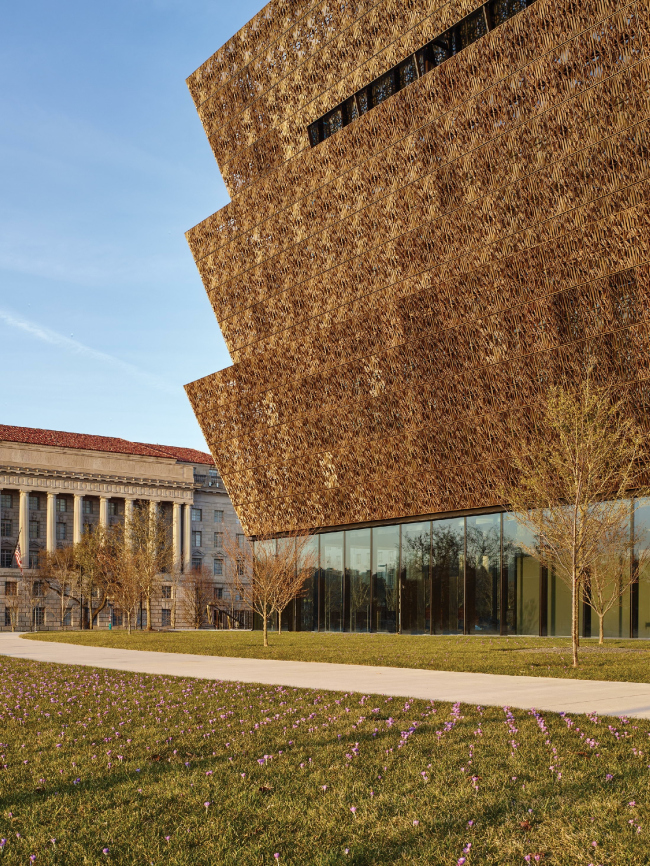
<point>21,476</point>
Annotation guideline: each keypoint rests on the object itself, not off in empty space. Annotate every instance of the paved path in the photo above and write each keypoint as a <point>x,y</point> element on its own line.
<point>544,693</point>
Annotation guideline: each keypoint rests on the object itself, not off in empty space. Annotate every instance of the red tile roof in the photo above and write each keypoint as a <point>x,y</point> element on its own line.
<point>60,439</point>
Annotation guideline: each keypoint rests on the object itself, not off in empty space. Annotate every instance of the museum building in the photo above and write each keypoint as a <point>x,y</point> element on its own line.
<point>437,210</point>
<point>54,486</point>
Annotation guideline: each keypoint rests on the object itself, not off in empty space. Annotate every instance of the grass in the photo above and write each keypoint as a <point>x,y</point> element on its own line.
<point>618,660</point>
<point>107,767</point>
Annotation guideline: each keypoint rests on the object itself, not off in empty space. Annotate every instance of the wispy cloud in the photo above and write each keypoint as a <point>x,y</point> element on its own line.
<point>46,335</point>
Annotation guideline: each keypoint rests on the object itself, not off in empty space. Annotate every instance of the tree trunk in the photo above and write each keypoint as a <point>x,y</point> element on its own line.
<point>601,629</point>
<point>279,622</point>
<point>148,608</point>
<point>575,618</point>
<point>90,606</point>
<point>265,627</point>
<point>128,621</point>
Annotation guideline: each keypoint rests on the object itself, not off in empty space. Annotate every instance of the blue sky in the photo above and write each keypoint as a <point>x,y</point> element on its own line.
<point>103,167</point>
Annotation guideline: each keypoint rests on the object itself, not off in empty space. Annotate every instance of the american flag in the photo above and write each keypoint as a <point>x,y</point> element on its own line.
<point>19,559</point>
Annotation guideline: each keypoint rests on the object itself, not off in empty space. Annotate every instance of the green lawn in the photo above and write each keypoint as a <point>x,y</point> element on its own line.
<point>541,657</point>
<point>107,767</point>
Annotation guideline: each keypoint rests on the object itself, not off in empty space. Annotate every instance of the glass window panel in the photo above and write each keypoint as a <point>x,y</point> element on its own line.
<point>265,549</point>
<point>307,605</point>
<point>333,122</point>
<point>501,10</point>
<point>523,572</point>
<point>331,553</point>
<point>416,548</point>
<point>448,546</point>
<point>442,48</point>
<point>351,109</point>
<point>483,574</point>
<point>385,563</point>
<point>362,101</point>
<point>314,134</point>
<point>613,578</point>
<point>287,551</point>
<point>357,564</point>
<point>471,29</point>
<point>421,58</point>
<point>407,73</point>
<point>382,88</point>
<point>642,535</point>
<point>559,606</point>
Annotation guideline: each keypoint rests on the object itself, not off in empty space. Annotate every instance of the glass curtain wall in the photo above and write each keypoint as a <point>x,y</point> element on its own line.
<point>415,581</point>
<point>357,569</point>
<point>448,572</point>
<point>473,575</point>
<point>385,586</point>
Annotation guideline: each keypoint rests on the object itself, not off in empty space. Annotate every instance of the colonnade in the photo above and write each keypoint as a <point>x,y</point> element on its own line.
<point>181,521</point>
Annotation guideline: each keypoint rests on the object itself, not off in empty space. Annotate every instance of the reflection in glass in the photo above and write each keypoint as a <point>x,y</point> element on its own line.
<point>286,548</point>
<point>351,109</point>
<point>415,601</point>
<point>362,101</point>
<point>382,88</point>
<point>642,590</point>
<point>502,10</point>
<point>448,546</point>
<point>559,605</point>
<point>333,123</point>
<point>357,565</point>
<point>523,574</point>
<point>307,604</point>
<point>331,552</point>
<point>385,562</point>
<point>407,72</point>
<point>608,584</point>
<point>483,574</point>
<point>471,28</point>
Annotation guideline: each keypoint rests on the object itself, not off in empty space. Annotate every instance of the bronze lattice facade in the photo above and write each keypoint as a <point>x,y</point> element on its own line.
<point>393,282</point>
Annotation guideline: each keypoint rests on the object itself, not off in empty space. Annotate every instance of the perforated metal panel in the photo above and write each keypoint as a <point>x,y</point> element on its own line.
<point>394,295</point>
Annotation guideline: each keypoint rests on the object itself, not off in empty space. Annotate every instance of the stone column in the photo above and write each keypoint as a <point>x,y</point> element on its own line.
<point>51,522</point>
<point>77,518</point>
<point>128,514</point>
<point>187,538</point>
<point>103,511</point>
<point>23,527</point>
<point>176,535</point>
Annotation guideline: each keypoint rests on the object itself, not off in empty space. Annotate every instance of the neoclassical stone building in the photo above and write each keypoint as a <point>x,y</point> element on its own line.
<point>55,484</point>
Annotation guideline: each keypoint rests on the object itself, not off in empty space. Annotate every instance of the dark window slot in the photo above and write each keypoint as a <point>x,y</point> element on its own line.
<point>460,36</point>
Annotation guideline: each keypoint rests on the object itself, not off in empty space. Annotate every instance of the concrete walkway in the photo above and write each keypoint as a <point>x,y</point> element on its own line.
<point>544,693</point>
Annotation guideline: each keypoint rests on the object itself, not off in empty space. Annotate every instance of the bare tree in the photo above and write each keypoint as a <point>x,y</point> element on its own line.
<point>12,605</point>
<point>297,561</point>
<point>267,575</point>
<point>60,572</point>
<point>198,592</point>
<point>94,563</point>
<point>571,468</point>
<point>148,536</point>
<point>121,569</point>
